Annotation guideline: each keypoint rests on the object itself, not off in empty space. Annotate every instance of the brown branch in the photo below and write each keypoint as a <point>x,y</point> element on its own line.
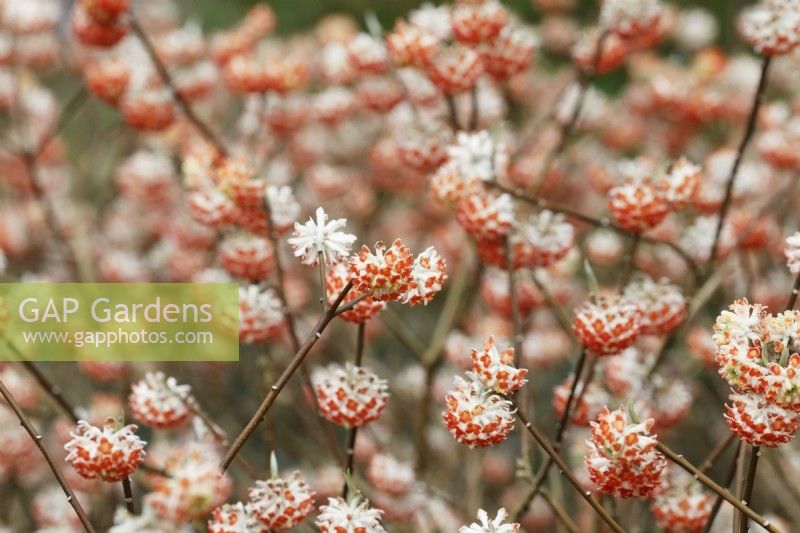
<point>323,321</point>
<point>566,472</point>
<point>542,203</point>
<point>127,491</point>
<point>711,484</point>
<point>351,437</point>
<point>166,78</point>
<point>728,480</point>
<point>748,134</point>
<point>37,439</point>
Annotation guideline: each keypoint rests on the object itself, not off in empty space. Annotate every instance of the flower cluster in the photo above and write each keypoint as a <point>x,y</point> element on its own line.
<point>354,515</point>
<point>350,396</point>
<point>159,401</point>
<point>606,325</point>
<point>621,456</point>
<point>497,524</point>
<point>496,369</point>
<point>108,453</point>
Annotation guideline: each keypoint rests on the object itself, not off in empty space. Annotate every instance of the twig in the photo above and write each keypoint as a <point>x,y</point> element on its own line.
<point>565,470</point>
<point>351,437</point>
<point>166,78</point>
<point>747,490</point>
<point>127,491</point>
<point>542,203</point>
<point>37,439</point>
<point>728,480</point>
<point>711,484</point>
<point>323,321</point>
<point>561,316</point>
<point>748,134</point>
<point>560,513</point>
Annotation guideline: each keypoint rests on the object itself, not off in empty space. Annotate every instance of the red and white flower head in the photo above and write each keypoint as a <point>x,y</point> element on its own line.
<point>486,215</point>
<point>542,239</point>
<point>336,279</point>
<point>391,476</point>
<point>195,486</point>
<point>281,503</point>
<point>622,459</point>
<point>476,415</point>
<point>510,53</point>
<point>681,182</point>
<point>792,252</point>
<point>408,45</point>
<point>386,274</point>
<point>350,396</point>
<point>211,207</point>
<point>496,370</point>
<point>159,401</point>
<point>637,205</point>
<point>107,79</point>
<point>428,276</point>
<point>477,22</point>
<point>497,524</point>
<point>148,110</point>
<point>108,453</point>
<point>368,54</point>
<point>478,156</point>
<point>261,316</point>
<point>455,69</point>
<point>681,505</point>
<point>353,516</point>
<point>607,325</point>
<point>233,518</point>
<point>631,18</point>
<point>323,237</point>
<point>662,304</point>
<point>772,27</point>
<point>758,422</point>
<point>283,208</point>
<point>247,257</point>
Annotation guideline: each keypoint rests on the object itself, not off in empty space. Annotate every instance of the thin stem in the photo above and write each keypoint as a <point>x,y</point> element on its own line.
<point>748,134</point>
<point>542,203</point>
<point>749,481</point>
<point>560,513</point>
<point>711,484</point>
<point>166,78</point>
<point>793,296</point>
<point>728,480</point>
<point>630,261</point>
<point>351,437</point>
<point>516,319</point>
<point>716,453</point>
<point>563,423</point>
<point>323,321</point>
<point>127,491</point>
<point>565,470</point>
<point>475,111</point>
<point>561,316</point>
<point>51,462</point>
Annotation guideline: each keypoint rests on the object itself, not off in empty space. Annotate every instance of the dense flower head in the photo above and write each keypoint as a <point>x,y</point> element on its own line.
<point>497,524</point>
<point>496,369</point>
<point>606,325</point>
<point>681,182</point>
<point>261,316</point>
<point>478,22</point>
<point>510,53</point>
<point>321,237</point>
<point>350,396</point>
<point>428,275</point>
<point>757,352</point>
<point>637,205</point>
<point>455,69</point>
<point>336,279</point>
<point>283,207</point>
<point>475,415</point>
<point>159,401</point>
<point>681,505</point>
<point>390,475</point>
<point>486,215</point>
<point>772,27</point>
<point>621,456</point>
<point>478,156</point>
<point>352,516</point>
<point>247,256</point>
<point>662,304</point>
<point>108,453</point>
<point>194,486</point>
<point>232,518</point>
<point>542,239</point>
<point>410,45</point>
<point>385,274</point>
<point>758,422</point>
<point>792,252</point>
<point>631,18</point>
<point>281,503</point>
